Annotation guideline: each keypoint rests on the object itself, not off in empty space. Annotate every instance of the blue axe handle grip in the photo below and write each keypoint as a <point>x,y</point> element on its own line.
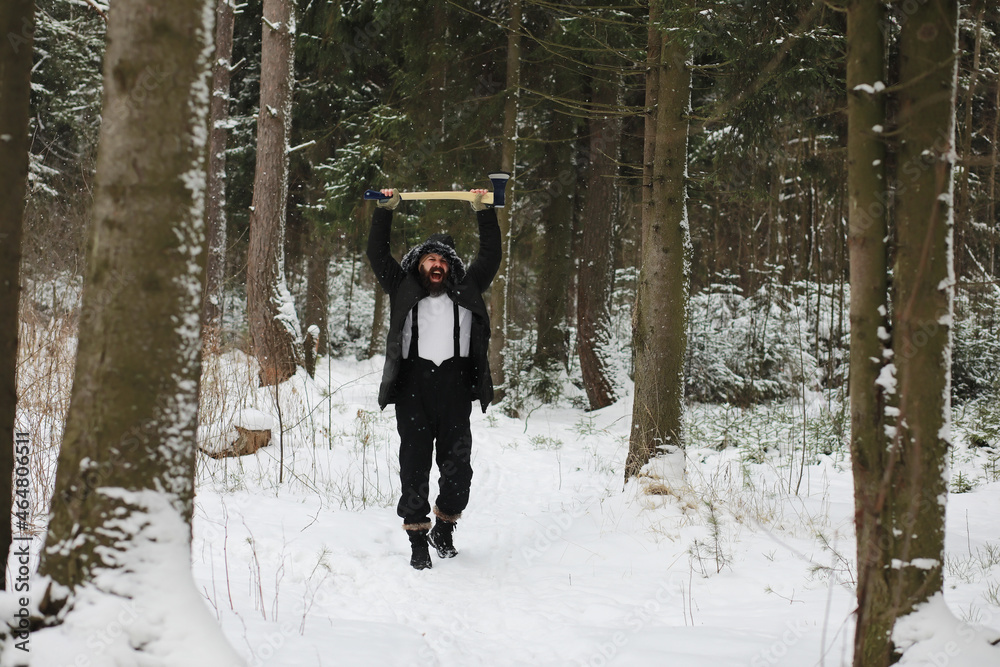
<point>374,194</point>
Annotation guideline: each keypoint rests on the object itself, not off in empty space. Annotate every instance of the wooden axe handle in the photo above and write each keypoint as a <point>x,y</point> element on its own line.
<point>456,195</point>
<point>496,198</point>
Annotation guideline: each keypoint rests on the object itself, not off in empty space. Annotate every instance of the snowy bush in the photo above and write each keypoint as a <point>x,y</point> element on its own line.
<point>975,364</point>
<point>979,419</point>
<point>746,350</point>
<point>352,307</point>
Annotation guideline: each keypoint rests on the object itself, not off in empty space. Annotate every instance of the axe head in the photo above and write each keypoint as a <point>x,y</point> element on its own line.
<point>499,179</point>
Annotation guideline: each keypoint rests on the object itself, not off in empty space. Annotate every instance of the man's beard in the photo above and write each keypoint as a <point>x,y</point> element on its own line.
<point>433,288</point>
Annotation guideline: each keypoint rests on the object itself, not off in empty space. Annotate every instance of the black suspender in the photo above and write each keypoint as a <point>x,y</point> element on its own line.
<point>458,333</point>
<point>412,354</point>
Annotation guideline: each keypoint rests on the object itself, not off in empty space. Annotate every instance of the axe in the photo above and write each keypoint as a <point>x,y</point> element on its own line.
<point>495,199</point>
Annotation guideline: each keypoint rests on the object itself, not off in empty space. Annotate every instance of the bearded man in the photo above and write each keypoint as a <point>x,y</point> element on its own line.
<point>436,364</point>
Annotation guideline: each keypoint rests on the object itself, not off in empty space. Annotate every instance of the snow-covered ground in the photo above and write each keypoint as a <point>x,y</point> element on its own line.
<point>559,563</point>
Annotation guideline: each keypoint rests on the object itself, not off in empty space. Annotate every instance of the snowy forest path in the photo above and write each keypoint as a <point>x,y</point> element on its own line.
<point>557,564</point>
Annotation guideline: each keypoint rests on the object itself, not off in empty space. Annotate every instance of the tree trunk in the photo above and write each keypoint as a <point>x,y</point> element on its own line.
<point>659,320</point>
<point>924,288</point>
<point>376,343</point>
<point>963,206</point>
<point>991,209</point>
<point>866,183</point>
<point>596,275</point>
<point>17,19</point>
<point>215,204</point>
<point>501,284</point>
<point>274,328</point>
<point>654,55</point>
<point>124,489</point>
<point>556,263</point>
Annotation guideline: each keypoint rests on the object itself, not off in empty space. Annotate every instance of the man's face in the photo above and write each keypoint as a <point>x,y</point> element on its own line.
<point>434,270</point>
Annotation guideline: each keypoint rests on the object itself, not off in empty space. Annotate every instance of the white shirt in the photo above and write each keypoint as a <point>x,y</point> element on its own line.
<point>436,323</point>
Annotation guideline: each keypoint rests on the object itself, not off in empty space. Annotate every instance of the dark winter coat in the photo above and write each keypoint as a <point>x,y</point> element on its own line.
<point>464,285</point>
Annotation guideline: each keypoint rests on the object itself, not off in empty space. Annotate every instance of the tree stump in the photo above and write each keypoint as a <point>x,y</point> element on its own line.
<point>311,347</point>
<point>249,441</point>
<point>253,431</point>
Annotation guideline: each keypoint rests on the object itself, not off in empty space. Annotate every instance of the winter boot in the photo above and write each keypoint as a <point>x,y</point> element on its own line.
<point>440,538</point>
<point>421,557</point>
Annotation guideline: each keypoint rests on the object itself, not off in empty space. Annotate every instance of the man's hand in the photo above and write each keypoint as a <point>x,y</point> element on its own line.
<point>392,202</point>
<point>478,204</point>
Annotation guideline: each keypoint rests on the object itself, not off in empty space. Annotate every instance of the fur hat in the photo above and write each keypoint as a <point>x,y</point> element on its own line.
<point>440,244</point>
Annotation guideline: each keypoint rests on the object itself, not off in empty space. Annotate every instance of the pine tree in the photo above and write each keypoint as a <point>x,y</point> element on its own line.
<point>900,450</point>
<point>868,202</point>
<point>274,328</point>
<point>215,208</point>
<point>659,319</point>
<point>924,283</point>
<point>500,291</point>
<point>766,139</point>
<point>66,97</point>
<point>555,265</point>
<point>599,219</point>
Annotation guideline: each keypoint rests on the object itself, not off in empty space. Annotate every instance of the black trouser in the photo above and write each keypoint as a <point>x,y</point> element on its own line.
<point>433,405</point>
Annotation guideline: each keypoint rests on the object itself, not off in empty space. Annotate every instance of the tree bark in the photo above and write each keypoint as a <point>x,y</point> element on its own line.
<point>654,55</point>
<point>124,489</point>
<point>596,273</point>
<point>867,225</point>
<point>215,204</point>
<point>659,319</point>
<point>500,289</point>
<point>991,209</point>
<point>963,206</point>
<point>924,282</point>
<point>274,328</point>
<point>17,18</point>
<point>376,342</point>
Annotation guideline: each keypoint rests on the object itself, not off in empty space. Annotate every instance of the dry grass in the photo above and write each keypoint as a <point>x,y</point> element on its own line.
<point>45,363</point>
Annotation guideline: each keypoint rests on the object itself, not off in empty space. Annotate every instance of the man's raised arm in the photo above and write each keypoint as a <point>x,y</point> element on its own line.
<point>484,268</point>
<point>386,268</point>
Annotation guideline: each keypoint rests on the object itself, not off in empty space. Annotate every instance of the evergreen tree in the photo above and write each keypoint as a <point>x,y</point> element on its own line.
<point>66,86</point>
<point>924,283</point>
<point>901,421</point>
<point>500,291</point>
<point>66,96</point>
<point>576,103</point>
<point>975,171</point>
<point>659,334</point>
<point>274,328</point>
<point>766,143</point>
<point>599,219</point>
<point>215,207</point>
<point>868,200</point>
<point>555,263</point>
